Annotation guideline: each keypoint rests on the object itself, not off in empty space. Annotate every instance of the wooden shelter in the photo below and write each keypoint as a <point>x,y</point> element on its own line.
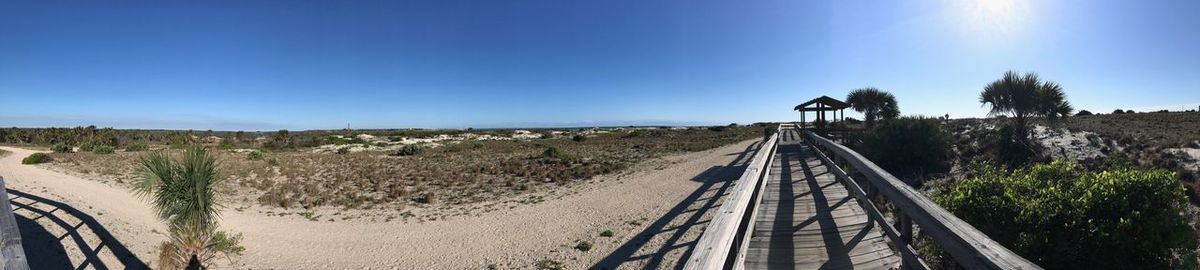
<point>821,105</point>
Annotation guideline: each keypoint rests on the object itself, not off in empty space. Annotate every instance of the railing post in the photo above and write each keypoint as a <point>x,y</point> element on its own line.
<point>906,233</point>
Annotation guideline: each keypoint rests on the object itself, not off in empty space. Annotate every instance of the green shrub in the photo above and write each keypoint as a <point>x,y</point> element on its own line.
<point>579,138</point>
<point>1061,217</point>
<point>348,139</point>
<point>1010,148</point>
<point>136,147</point>
<point>87,147</point>
<point>606,233</point>
<point>226,145</point>
<point>281,139</point>
<point>820,124</point>
<point>61,148</point>
<point>273,162</point>
<point>103,149</point>
<point>36,158</point>
<point>560,155</point>
<point>548,264</point>
<point>254,155</point>
<point>409,150</point>
<point>718,128</point>
<point>768,131</point>
<point>227,243</point>
<point>908,147</point>
<point>633,134</point>
<point>583,245</point>
<point>1083,113</point>
<point>343,150</point>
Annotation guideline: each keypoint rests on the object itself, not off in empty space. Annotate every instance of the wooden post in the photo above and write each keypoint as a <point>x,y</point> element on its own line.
<point>822,112</point>
<point>906,233</point>
<point>801,118</point>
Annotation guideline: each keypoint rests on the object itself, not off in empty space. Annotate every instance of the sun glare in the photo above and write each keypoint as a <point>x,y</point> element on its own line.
<point>991,18</point>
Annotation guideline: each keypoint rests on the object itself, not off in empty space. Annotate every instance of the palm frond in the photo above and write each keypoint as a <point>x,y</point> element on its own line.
<point>183,194</point>
<point>873,104</point>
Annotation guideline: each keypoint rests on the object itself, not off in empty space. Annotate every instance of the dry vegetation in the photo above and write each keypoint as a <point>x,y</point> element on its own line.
<point>1168,129</point>
<point>458,172</point>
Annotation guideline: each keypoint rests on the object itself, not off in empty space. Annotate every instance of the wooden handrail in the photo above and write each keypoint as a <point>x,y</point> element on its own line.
<point>723,243</point>
<point>968,246</point>
<point>12,254</point>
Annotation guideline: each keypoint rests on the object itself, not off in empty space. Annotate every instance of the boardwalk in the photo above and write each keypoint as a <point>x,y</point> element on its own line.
<point>808,220</point>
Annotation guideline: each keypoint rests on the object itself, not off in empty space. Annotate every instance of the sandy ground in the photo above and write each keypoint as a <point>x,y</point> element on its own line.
<point>1061,143</point>
<point>655,213</point>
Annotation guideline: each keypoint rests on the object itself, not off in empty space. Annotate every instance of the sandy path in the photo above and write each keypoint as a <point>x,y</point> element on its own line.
<point>631,205</point>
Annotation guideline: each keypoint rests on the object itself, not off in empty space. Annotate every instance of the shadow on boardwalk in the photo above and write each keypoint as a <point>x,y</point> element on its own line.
<point>46,250</point>
<point>673,228</point>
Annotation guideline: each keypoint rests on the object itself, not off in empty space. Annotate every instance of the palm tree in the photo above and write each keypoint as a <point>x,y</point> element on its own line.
<point>873,104</point>
<point>1023,97</point>
<point>183,194</point>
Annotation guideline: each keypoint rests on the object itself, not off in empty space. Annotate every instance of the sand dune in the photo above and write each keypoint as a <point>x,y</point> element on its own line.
<point>640,205</point>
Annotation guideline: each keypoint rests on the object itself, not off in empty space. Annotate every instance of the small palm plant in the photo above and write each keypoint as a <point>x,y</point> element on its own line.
<point>1024,97</point>
<point>873,104</point>
<point>184,195</point>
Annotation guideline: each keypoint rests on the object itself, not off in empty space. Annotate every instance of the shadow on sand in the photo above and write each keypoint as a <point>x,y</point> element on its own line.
<point>46,251</point>
<point>716,181</point>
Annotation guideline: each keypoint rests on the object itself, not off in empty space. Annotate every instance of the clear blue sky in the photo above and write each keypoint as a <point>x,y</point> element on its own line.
<point>322,64</point>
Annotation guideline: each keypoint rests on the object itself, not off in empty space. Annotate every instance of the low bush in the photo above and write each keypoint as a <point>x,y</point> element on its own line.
<point>548,264</point>
<point>820,124</point>
<point>87,147</point>
<point>136,147</point>
<point>61,148</point>
<point>352,140</point>
<point>103,149</point>
<point>1061,217</point>
<point>768,131</point>
<point>1010,148</point>
<point>560,155</point>
<point>227,243</point>
<point>1083,113</point>
<point>36,158</point>
<point>909,147</point>
<point>606,233</point>
<point>409,150</point>
<point>343,150</point>
<point>583,245</point>
<point>579,138</point>
<point>254,155</point>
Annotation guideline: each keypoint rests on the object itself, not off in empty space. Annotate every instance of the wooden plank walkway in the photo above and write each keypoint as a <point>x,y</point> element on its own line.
<point>808,220</point>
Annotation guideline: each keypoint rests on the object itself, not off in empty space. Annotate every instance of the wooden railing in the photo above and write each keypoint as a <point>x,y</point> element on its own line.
<point>12,254</point>
<point>723,244</point>
<point>969,247</point>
